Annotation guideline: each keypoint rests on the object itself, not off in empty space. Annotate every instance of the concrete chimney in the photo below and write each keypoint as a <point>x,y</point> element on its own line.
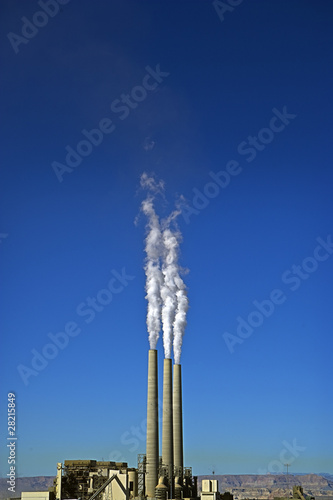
<point>167,428</point>
<point>59,479</point>
<point>177,420</point>
<point>152,457</point>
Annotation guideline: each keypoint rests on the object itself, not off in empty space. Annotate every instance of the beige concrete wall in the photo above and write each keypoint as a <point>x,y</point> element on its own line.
<point>209,485</point>
<point>114,490</point>
<point>215,485</point>
<point>209,496</point>
<point>35,495</point>
<point>206,485</point>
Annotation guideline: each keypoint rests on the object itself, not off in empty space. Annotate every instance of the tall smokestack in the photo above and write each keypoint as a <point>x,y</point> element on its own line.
<point>177,420</point>
<point>152,457</point>
<point>167,429</point>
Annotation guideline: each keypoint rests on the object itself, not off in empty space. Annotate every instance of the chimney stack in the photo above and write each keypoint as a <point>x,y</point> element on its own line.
<point>152,456</point>
<point>167,429</point>
<point>177,420</point>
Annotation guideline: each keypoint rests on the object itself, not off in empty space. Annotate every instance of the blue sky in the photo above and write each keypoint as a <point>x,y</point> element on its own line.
<point>231,107</point>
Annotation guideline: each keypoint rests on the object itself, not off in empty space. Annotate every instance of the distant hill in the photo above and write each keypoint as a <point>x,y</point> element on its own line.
<point>326,475</point>
<point>254,486</point>
<point>37,483</point>
<point>268,486</point>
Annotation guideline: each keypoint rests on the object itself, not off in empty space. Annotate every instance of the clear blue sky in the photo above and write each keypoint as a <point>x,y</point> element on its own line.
<point>245,95</point>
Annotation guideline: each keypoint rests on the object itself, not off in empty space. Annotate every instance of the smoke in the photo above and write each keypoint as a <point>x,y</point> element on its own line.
<point>154,277</point>
<point>174,296</point>
<point>180,322</point>
<point>169,288</point>
<point>151,184</point>
<point>166,291</point>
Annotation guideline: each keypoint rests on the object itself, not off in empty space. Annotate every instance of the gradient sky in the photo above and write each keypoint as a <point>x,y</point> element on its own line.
<point>251,403</point>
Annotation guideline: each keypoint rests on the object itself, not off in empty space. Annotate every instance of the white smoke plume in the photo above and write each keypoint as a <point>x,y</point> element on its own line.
<point>180,320</point>
<point>166,291</point>
<point>154,277</point>
<point>169,288</point>
<point>151,184</point>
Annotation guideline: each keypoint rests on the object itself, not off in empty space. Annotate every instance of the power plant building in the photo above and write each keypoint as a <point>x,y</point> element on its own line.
<point>157,477</point>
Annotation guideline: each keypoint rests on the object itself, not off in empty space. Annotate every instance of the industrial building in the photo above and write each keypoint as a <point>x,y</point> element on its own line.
<point>162,477</point>
<point>156,477</point>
